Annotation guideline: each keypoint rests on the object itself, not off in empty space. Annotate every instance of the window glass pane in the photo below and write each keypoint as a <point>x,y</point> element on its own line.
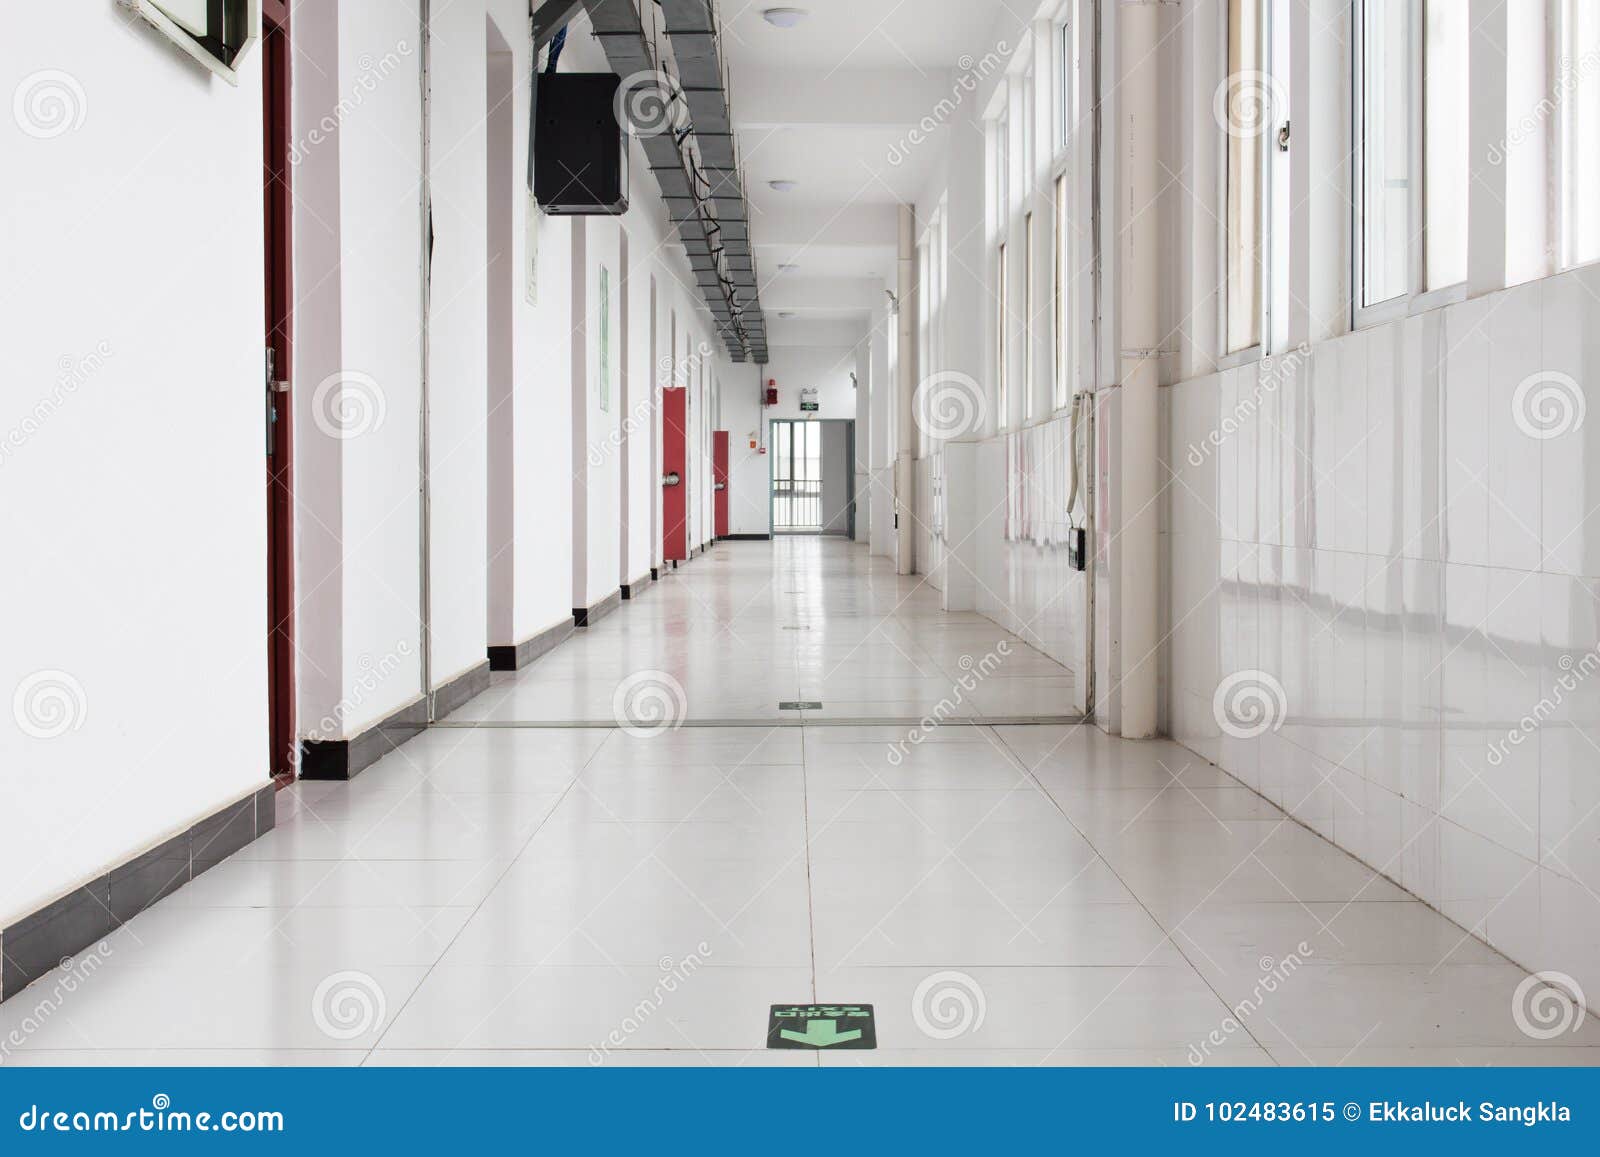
<point>1247,119</point>
<point>1000,331</point>
<point>1578,96</point>
<point>1063,370</point>
<point>1444,139</point>
<point>1027,316</point>
<point>1385,149</point>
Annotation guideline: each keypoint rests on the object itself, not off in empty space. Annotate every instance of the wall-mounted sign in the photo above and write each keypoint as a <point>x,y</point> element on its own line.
<point>808,401</point>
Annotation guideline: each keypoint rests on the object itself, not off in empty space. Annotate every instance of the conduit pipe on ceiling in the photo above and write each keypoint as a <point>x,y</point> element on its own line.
<point>905,391</point>
<point>1139,36</point>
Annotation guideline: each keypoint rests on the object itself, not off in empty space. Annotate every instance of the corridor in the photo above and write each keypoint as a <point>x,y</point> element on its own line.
<point>513,887</point>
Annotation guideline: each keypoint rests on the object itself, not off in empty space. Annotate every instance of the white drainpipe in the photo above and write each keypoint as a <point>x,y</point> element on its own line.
<point>1139,36</point>
<point>906,329</point>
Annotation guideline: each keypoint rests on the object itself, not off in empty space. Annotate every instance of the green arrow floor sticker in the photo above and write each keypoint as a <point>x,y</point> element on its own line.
<point>821,1026</point>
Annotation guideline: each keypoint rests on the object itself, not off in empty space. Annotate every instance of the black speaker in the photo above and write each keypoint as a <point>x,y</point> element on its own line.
<point>580,152</point>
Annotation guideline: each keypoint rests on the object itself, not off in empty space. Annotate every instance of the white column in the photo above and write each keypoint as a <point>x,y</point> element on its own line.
<point>905,481</point>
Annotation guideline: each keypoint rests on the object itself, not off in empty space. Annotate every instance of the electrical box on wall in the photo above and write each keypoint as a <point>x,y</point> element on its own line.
<point>580,163</point>
<point>772,391</point>
<point>1078,548</point>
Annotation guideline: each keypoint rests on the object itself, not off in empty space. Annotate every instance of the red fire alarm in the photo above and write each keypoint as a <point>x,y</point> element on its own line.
<point>772,391</point>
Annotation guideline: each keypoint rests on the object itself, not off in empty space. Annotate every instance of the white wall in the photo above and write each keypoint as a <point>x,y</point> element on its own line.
<point>131,447</point>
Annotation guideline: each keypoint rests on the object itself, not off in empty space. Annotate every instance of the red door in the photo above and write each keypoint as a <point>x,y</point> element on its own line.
<point>675,474</point>
<point>719,480</point>
<point>279,204</point>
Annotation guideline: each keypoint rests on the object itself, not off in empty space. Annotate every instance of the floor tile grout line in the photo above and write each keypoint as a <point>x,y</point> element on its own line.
<point>1167,935</point>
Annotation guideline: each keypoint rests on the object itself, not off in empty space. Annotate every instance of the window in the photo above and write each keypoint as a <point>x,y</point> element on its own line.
<point>1027,318</point>
<point>1444,142</point>
<point>1065,74</point>
<point>1247,111</point>
<point>1000,359</point>
<point>1577,98</point>
<point>1063,379</point>
<point>1384,158</point>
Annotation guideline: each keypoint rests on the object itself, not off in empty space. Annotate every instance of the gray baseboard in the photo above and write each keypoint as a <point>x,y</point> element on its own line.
<point>588,616</point>
<point>516,656</point>
<point>36,944</point>
<point>345,758</point>
<point>633,589</point>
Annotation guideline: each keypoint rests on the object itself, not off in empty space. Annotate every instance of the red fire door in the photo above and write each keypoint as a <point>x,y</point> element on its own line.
<point>719,480</point>
<point>675,474</point>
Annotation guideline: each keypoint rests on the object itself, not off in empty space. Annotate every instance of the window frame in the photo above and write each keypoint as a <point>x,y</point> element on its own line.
<point>1563,193</point>
<point>1262,144</point>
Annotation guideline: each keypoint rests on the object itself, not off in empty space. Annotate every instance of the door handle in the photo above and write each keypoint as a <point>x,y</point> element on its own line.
<point>671,478</point>
<point>720,486</point>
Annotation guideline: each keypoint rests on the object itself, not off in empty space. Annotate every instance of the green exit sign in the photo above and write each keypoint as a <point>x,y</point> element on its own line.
<point>821,1026</point>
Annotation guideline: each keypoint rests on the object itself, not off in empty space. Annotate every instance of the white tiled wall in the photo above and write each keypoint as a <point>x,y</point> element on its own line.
<point>1028,585</point>
<point>1377,529</point>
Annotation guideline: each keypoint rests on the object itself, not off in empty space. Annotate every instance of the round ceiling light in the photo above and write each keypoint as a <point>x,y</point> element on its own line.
<point>784,17</point>
<point>786,314</point>
<point>783,185</point>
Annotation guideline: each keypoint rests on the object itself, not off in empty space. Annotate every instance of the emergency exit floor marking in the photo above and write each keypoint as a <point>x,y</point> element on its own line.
<point>821,1026</point>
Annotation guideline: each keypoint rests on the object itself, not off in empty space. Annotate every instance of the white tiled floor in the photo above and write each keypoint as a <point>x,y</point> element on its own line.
<point>1002,894</point>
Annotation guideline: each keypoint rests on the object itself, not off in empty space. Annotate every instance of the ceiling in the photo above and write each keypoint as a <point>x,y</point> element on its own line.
<point>829,105</point>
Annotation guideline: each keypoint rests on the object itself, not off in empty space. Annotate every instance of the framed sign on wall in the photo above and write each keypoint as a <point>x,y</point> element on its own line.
<point>217,33</point>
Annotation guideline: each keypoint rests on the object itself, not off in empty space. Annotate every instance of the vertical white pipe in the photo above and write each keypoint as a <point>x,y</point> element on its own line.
<point>1139,40</point>
<point>906,331</point>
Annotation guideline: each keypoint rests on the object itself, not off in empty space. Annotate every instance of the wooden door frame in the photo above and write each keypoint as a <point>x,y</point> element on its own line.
<point>278,224</point>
